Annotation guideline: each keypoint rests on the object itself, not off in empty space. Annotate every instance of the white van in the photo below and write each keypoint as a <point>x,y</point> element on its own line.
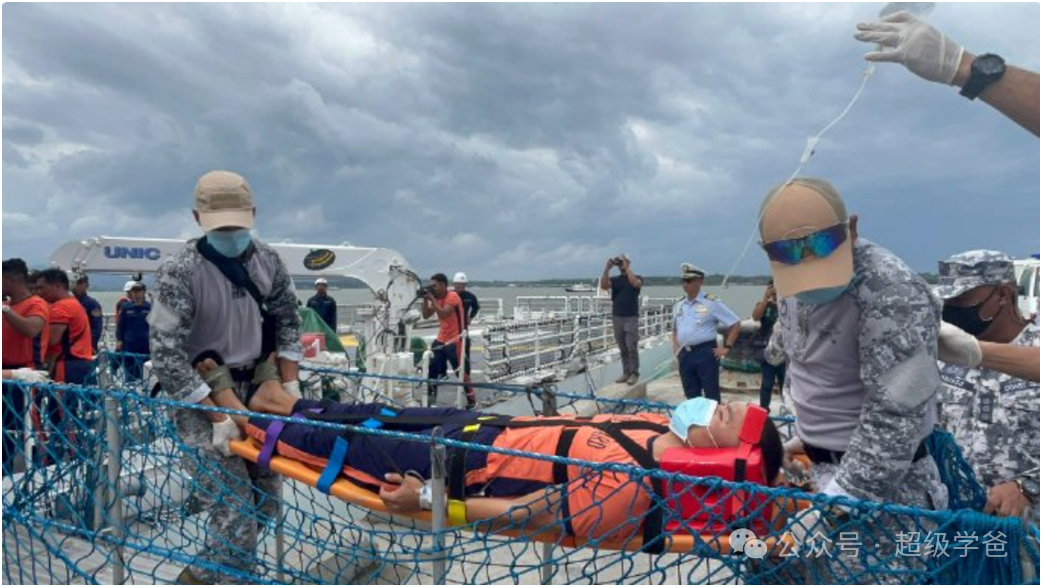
<point>1027,279</point>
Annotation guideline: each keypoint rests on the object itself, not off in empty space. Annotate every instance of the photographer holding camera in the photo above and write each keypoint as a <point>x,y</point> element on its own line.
<point>625,313</point>
<point>437,299</point>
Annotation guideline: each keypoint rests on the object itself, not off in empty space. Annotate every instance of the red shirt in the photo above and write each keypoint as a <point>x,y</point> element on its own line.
<point>450,328</point>
<point>18,348</point>
<point>70,312</point>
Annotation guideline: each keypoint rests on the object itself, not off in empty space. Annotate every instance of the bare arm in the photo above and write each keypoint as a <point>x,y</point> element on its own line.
<point>605,278</point>
<point>1013,360</point>
<point>29,326</point>
<point>55,333</point>
<point>732,334</point>
<point>444,311</point>
<point>760,311</point>
<point>428,307</point>
<point>538,509</point>
<point>1016,95</point>
<point>635,281</point>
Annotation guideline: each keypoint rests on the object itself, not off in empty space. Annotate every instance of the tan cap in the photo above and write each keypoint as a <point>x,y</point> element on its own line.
<point>796,209</point>
<point>223,199</point>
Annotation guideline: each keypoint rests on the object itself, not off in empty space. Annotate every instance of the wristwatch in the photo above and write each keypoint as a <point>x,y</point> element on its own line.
<point>1027,490</point>
<point>426,497</point>
<point>986,70</point>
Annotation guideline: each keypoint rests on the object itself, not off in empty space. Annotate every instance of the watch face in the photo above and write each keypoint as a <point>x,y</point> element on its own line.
<point>989,64</point>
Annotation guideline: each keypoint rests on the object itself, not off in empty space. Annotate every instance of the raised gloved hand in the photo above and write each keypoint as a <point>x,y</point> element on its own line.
<point>223,432</point>
<point>905,39</point>
<point>957,347</point>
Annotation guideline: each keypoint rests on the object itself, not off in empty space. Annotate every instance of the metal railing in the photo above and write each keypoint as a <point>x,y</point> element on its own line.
<point>538,307</point>
<point>524,347</point>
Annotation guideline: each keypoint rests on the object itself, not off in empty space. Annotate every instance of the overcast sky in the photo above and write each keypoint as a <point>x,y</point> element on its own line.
<point>509,141</point>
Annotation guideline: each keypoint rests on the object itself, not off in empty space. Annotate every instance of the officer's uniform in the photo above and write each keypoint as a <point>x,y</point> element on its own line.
<point>695,323</point>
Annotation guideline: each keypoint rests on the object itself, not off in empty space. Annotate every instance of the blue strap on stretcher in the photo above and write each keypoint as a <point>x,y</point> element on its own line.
<point>339,454</point>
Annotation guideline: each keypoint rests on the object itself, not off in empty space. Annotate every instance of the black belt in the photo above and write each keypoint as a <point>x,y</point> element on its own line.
<point>697,347</point>
<point>242,374</point>
<point>823,455</point>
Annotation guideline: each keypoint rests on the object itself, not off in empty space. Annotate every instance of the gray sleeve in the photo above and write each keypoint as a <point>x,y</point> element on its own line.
<point>898,354</point>
<point>170,323</point>
<point>282,303</point>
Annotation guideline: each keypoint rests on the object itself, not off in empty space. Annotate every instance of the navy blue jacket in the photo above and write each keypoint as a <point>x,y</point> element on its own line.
<point>132,330</point>
<point>325,307</point>
<point>96,318</point>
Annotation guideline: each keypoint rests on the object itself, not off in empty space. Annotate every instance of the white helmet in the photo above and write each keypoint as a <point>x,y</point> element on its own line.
<point>460,277</point>
<point>321,281</point>
<point>128,286</point>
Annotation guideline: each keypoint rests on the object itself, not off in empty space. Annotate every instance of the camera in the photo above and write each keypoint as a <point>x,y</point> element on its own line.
<point>618,261</point>
<point>427,289</point>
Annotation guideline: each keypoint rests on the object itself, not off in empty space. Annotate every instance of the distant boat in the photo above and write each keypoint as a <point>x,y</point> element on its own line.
<point>580,288</point>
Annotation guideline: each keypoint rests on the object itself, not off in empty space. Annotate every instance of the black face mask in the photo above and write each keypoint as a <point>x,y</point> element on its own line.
<point>968,318</point>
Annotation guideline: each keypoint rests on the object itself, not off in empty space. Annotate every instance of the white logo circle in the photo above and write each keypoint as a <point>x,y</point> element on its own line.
<point>739,538</point>
<point>756,548</point>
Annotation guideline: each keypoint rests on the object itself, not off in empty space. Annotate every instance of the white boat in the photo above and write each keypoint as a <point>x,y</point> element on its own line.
<point>580,288</point>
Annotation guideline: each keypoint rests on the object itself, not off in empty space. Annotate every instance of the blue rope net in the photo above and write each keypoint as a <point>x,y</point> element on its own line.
<point>73,454</point>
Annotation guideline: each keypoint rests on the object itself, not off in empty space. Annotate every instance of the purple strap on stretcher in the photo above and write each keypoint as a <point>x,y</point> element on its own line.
<point>271,438</point>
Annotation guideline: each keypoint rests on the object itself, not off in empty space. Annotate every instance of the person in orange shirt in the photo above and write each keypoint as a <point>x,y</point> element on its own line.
<point>69,356</point>
<point>25,318</point>
<point>437,299</point>
<point>70,351</point>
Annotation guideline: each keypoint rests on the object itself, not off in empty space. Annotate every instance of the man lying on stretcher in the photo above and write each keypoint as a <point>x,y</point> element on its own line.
<point>513,490</point>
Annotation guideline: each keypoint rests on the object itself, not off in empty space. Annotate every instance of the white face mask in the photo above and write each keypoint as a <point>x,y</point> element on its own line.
<point>693,412</point>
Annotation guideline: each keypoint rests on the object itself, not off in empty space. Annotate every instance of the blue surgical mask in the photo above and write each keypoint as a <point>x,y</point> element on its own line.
<point>822,296</point>
<point>230,243</point>
<point>693,412</point>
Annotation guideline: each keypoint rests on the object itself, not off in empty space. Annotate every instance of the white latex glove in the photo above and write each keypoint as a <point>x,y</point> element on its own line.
<point>29,375</point>
<point>292,388</point>
<point>958,347</point>
<point>905,39</point>
<point>224,431</point>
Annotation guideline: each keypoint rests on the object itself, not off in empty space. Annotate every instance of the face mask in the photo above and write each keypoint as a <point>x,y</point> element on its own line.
<point>822,296</point>
<point>230,243</point>
<point>693,412</point>
<point>968,318</point>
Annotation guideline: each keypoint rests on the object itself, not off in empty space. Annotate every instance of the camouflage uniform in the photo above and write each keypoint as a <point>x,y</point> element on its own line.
<point>993,416</point>
<point>898,326</point>
<point>234,496</point>
<point>897,344</point>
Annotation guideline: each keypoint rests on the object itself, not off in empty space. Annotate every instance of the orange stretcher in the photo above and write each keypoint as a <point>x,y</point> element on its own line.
<point>344,489</point>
